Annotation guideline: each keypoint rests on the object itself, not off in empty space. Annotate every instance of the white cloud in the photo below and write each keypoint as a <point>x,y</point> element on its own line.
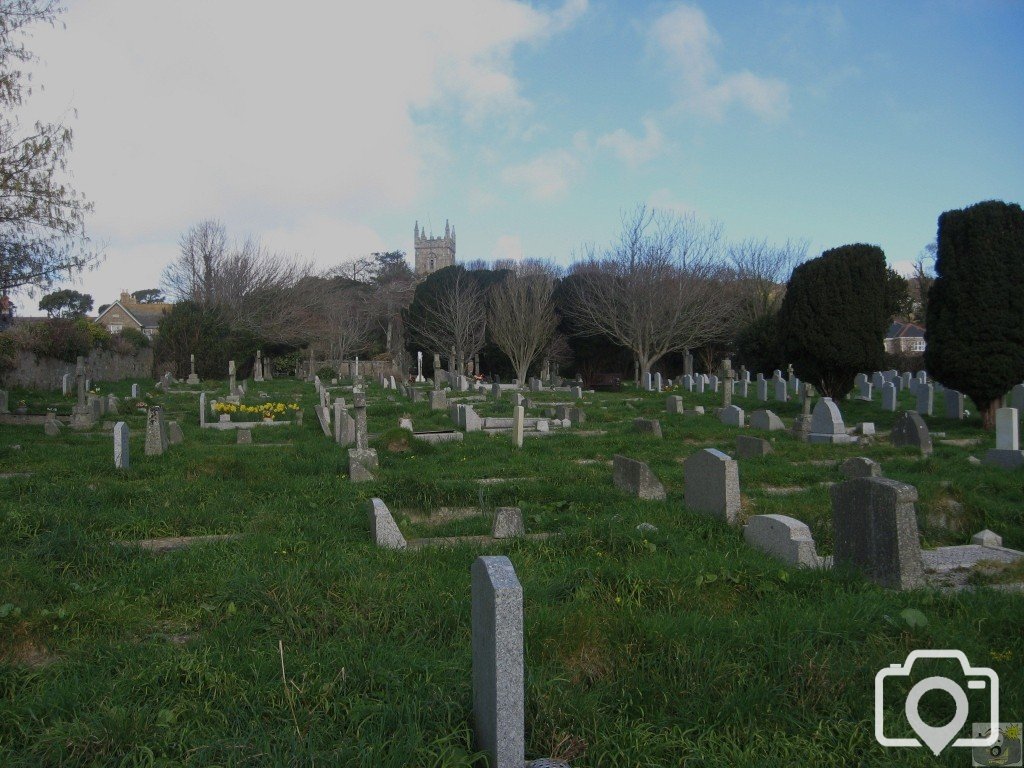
<point>666,200</point>
<point>240,111</point>
<point>547,176</point>
<point>508,247</point>
<point>632,150</point>
<point>687,41</point>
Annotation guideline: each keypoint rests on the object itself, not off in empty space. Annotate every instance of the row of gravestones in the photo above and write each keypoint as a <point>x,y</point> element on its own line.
<point>873,518</point>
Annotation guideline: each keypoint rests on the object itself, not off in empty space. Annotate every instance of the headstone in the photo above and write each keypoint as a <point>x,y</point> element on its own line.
<point>731,416</point>
<point>1017,397</point>
<point>762,388</point>
<point>827,424</point>
<point>121,445</point>
<point>954,404</point>
<point>657,382</point>
<point>905,380</point>
<point>700,385</point>
<point>866,388</point>
<point>636,478</point>
<point>232,384</point>
<point>518,417</point>
<point>910,429</point>
<point>674,404</point>
<point>174,433</point>
<point>651,426</point>
<point>469,419</point>
<point>383,528</point>
<point>647,382</point>
<point>860,466</point>
<point>65,384</point>
<point>889,397</point>
<point>51,427</point>
<point>766,420</point>
<point>743,387</point>
<point>752,447</point>
<point>987,538</point>
<point>155,444</point>
<point>344,427</point>
<point>508,523</point>
<point>687,383</point>
<point>1007,453</point>
<point>194,379</point>
<point>135,390</point>
<point>243,436</point>
<point>112,407</point>
<point>438,400</point>
<point>322,415</point>
<point>362,463</point>
<point>712,484</point>
<point>498,689</point>
<point>577,393</point>
<point>925,399</point>
<point>784,538</point>
<point>713,383</point>
<point>202,409</point>
<point>875,530</point>
<point>362,436</point>
<point>781,390</point>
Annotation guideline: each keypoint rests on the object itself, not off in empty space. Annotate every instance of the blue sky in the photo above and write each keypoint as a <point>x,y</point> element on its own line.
<point>531,127</point>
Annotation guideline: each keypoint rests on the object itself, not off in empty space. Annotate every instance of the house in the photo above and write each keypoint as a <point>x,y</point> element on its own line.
<point>904,339</point>
<point>126,312</point>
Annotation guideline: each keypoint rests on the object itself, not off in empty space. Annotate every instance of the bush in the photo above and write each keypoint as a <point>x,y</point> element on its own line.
<point>99,337</point>
<point>326,373</point>
<point>975,325</point>
<point>61,339</point>
<point>135,338</point>
<point>208,334</point>
<point>834,316</point>
<point>8,352</point>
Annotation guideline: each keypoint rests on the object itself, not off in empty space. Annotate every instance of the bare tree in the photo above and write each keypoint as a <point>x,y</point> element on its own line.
<point>264,293</point>
<point>761,271</point>
<point>521,318</point>
<point>659,289</point>
<point>451,318</point>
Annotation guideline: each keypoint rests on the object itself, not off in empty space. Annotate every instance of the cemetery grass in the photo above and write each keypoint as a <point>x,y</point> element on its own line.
<point>299,643</point>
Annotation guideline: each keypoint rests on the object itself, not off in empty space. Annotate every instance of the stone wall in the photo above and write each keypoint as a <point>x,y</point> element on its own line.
<point>35,372</point>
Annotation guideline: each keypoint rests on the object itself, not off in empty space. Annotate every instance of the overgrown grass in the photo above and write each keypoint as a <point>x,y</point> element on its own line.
<point>680,646</point>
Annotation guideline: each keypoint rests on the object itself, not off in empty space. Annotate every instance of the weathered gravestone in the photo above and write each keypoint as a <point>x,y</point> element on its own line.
<point>925,399</point>
<point>1007,453</point>
<point>51,427</point>
<point>508,523</point>
<point>65,385</point>
<point>889,397</point>
<point>383,528</point>
<point>875,530</point>
<point>135,390</point>
<point>954,404</point>
<point>156,441</point>
<point>518,419</point>
<point>174,433</point>
<point>762,388</point>
<point>112,405</point>
<point>732,416</point>
<point>712,484</point>
<point>766,420</point>
<point>635,477</point>
<point>323,416</point>
<point>910,429</point>
<point>784,538</point>
<point>193,378</point>
<point>781,390</point>
<point>243,437</point>
<point>1017,397</point>
<point>860,466</point>
<point>656,382</point>
<point>121,445</point>
<point>827,424</point>
<point>674,404</point>
<point>646,382</point>
<point>498,690</point>
<point>651,426</point>
<point>438,400</point>
<point>752,447</point>
<point>202,409</point>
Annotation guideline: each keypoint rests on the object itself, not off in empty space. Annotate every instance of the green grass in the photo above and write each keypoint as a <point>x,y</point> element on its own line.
<point>681,647</point>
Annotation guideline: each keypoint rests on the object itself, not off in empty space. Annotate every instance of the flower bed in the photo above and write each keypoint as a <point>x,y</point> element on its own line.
<point>266,411</point>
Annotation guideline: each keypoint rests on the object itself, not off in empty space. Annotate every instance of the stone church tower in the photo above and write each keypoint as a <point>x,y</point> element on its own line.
<point>433,253</point>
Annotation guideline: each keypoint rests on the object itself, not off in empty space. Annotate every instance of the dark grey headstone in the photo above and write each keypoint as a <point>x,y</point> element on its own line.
<point>636,478</point>
<point>712,484</point>
<point>752,447</point>
<point>875,530</point>
<point>652,426</point>
<point>910,429</point>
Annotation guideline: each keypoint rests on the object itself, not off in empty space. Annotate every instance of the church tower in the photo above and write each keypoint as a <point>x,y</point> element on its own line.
<point>433,253</point>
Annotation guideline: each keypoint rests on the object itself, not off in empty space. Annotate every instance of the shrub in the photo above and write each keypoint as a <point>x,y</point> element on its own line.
<point>834,316</point>
<point>975,322</point>
<point>61,339</point>
<point>8,352</point>
<point>135,338</point>
<point>326,373</point>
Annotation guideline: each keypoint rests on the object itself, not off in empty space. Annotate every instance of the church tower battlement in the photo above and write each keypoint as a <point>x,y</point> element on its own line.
<point>433,253</point>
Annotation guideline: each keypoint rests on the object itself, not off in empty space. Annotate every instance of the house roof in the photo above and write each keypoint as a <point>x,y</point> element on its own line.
<point>145,315</point>
<point>900,330</point>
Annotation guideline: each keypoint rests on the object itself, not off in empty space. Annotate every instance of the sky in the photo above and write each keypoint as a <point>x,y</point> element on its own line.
<point>328,128</point>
